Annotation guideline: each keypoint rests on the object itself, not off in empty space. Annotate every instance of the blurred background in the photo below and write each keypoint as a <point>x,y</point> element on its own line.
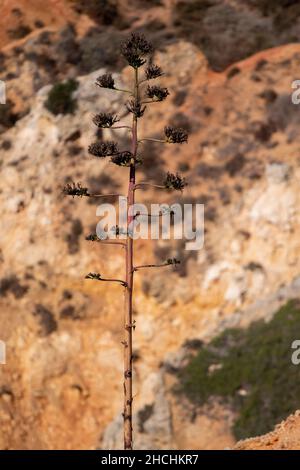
<point>212,347</point>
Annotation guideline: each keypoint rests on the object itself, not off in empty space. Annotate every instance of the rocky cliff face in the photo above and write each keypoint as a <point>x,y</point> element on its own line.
<point>285,436</point>
<point>62,386</point>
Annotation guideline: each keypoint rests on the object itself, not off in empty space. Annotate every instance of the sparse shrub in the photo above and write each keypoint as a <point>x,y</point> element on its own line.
<point>60,99</point>
<point>39,24</point>
<point>73,236</point>
<point>254,266</point>
<point>263,131</point>
<point>254,169</point>
<point>73,136</point>
<point>235,164</point>
<point>208,110</point>
<point>209,171</point>
<point>143,415</point>
<point>47,321</point>
<point>260,65</point>
<point>211,213</point>
<point>69,312</point>
<point>67,295</point>
<point>8,117</point>
<point>183,167</point>
<point>100,49</point>
<point>43,61</point>
<point>11,284</point>
<point>6,144</point>
<point>74,150</point>
<point>233,72</point>
<point>180,97</point>
<point>193,344</point>
<point>145,3</point>
<point>282,113</point>
<point>225,195</point>
<point>44,38</point>
<point>254,373</point>
<point>102,11</point>
<point>17,12</point>
<point>19,32</point>
<point>2,62</point>
<point>269,95</point>
<point>67,47</point>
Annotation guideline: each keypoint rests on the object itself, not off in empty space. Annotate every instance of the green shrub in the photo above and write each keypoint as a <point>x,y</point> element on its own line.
<point>60,100</point>
<point>256,361</point>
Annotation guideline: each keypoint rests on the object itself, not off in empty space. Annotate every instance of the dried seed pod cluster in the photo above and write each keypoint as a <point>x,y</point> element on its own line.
<point>105,120</point>
<point>157,93</point>
<point>95,276</point>
<point>92,237</point>
<point>153,71</point>
<point>122,158</point>
<point>135,48</point>
<point>75,189</point>
<point>103,149</point>
<point>175,182</point>
<point>135,108</point>
<point>106,81</point>
<point>173,261</point>
<point>175,135</point>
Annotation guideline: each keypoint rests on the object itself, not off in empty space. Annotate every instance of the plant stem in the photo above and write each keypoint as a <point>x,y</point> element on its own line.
<point>136,268</point>
<point>121,127</point>
<point>121,89</point>
<point>104,195</point>
<point>148,139</point>
<point>127,414</point>
<point>123,283</point>
<point>105,242</point>
<point>151,101</point>
<point>137,186</point>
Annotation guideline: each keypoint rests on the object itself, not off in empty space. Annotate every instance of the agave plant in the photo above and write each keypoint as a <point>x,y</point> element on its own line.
<point>137,51</point>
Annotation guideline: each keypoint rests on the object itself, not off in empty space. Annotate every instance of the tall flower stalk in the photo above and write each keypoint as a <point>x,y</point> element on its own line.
<point>135,50</point>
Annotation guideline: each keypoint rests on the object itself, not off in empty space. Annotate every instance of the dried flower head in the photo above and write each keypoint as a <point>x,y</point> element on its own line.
<point>135,48</point>
<point>173,261</point>
<point>157,93</point>
<point>138,160</point>
<point>122,158</point>
<point>175,135</point>
<point>75,189</point>
<point>106,81</point>
<point>135,108</point>
<point>103,149</point>
<point>105,120</point>
<point>96,276</point>
<point>117,230</point>
<point>92,237</point>
<point>153,71</point>
<point>174,182</point>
